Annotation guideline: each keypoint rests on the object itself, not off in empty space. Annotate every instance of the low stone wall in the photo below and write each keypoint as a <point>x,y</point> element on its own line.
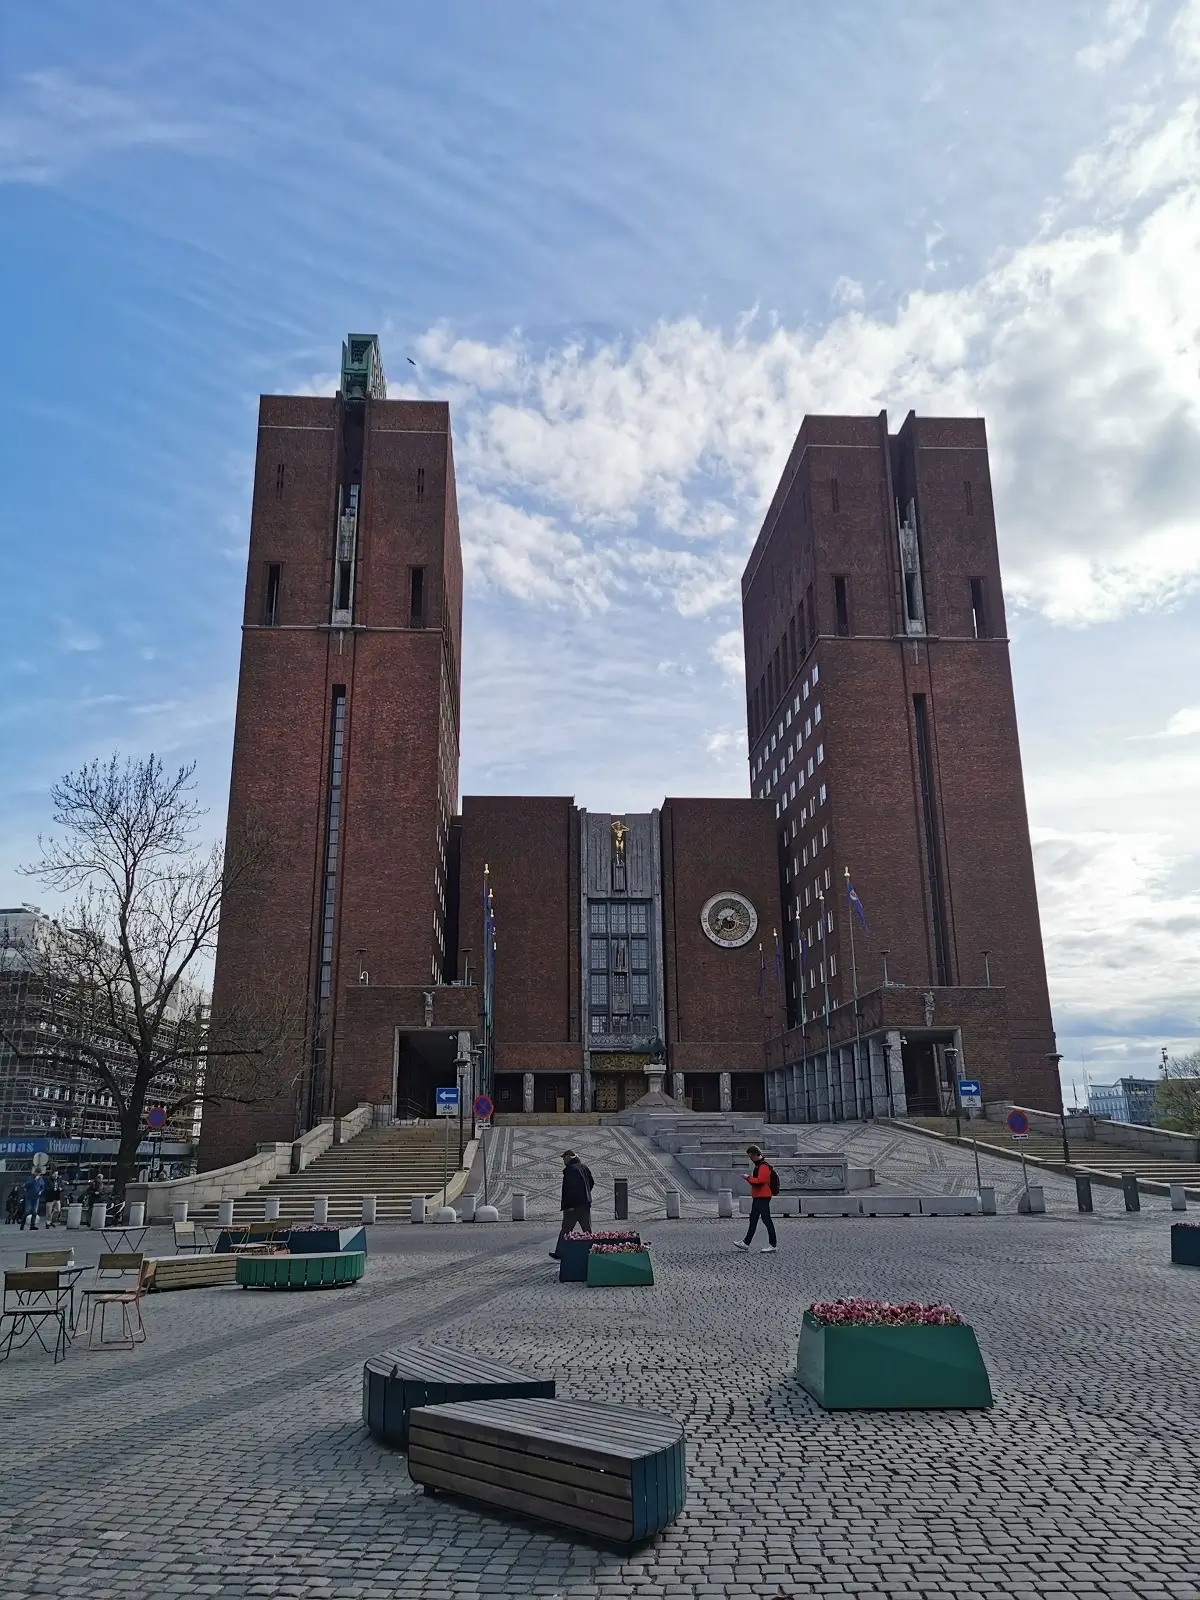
<point>233,1183</point>
<point>1132,1135</point>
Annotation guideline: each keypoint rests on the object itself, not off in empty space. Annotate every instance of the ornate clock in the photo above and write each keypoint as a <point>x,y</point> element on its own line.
<point>729,919</point>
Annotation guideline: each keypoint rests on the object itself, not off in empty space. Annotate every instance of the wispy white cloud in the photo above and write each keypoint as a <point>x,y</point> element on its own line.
<point>1125,23</point>
<point>52,122</point>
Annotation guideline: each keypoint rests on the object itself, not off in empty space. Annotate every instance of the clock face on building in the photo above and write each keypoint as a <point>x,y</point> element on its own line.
<point>729,919</point>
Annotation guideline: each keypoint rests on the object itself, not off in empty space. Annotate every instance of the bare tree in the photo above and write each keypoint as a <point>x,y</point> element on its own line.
<point>121,970</point>
<point>1177,1094</point>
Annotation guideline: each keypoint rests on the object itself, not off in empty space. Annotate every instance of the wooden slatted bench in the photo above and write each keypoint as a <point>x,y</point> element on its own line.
<point>433,1375</point>
<point>191,1272</point>
<point>612,1472</point>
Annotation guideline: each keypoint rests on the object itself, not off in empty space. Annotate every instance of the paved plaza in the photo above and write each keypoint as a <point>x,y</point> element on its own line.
<point>226,1456</point>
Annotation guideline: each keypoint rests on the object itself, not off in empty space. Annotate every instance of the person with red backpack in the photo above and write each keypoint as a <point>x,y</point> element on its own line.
<point>764,1182</point>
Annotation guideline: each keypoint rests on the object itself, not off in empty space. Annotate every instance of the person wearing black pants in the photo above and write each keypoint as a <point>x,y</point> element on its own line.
<point>759,1180</point>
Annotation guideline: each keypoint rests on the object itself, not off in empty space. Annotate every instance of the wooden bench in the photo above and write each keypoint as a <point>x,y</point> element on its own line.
<point>397,1381</point>
<point>191,1272</point>
<point>609,1471</point>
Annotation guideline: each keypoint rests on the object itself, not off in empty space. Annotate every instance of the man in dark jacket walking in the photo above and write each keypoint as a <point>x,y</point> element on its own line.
<point>576,1203</point>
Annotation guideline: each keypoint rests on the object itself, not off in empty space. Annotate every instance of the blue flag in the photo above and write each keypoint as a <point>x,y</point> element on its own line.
<point>803,954</point>
<point>856,904</point>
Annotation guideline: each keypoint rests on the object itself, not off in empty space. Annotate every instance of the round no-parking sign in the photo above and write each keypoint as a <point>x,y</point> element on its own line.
<point>1018,1124</point>
<point>483,1107</point>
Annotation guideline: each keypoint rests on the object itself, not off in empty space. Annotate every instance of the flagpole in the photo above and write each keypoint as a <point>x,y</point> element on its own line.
<point>825,984</point>
<point>857,1023</point>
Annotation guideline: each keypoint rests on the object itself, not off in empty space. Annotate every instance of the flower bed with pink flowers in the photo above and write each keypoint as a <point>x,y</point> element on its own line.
<point>882,1314</point>
<point>624,1247</point>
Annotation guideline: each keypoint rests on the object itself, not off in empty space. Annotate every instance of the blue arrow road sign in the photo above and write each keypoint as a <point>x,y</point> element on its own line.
<point>447,1102</point>
<point>969,1089</point>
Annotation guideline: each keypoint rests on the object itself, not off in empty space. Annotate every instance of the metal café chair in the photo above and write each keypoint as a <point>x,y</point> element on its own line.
<point>32,1298</point>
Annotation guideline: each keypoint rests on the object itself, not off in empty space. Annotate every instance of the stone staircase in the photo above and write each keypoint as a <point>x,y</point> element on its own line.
<point>1087,1155</point>
<point>394,1164</point>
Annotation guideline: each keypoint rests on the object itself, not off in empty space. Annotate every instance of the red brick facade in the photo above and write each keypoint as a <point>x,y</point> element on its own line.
<point>883,738</point>
<point>379,899</point>
<point>916,781</point>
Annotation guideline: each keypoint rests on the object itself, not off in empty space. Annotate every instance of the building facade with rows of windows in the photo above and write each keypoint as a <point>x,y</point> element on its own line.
<point>548,954</point>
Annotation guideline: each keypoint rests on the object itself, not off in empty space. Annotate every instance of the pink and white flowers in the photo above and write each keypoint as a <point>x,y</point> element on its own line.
<point>860,1313</point>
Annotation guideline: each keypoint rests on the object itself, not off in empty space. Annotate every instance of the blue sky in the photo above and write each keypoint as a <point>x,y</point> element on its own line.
<point>632,245</point>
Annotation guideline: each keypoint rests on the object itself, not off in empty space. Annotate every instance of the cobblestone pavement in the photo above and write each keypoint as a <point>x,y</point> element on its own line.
<point>226,1456</point>
<point>530,1159</point>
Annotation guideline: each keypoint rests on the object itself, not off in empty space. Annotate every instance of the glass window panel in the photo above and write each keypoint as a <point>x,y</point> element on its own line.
<point>598,916</point>
<point>640,988</point>
<point>599,955</point>
<point>641,955</point>
<point>599,1023</point>
<point>638,918</point>
<point>620,992</point>
<point>618,918</point>
<point>599,989</point>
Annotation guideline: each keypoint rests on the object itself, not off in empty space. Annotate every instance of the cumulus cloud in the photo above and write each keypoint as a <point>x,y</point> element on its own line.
<point>654,458</point>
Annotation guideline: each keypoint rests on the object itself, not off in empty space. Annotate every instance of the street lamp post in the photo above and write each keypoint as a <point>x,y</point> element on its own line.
<point>1055,1057</point>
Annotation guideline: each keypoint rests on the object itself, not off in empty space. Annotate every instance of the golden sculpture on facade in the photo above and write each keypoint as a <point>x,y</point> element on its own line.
<point>619,834</point>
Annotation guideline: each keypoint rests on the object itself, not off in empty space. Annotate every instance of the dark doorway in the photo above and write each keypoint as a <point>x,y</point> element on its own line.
<point>427,1062</point>
<point>920,1078</point>
<point>552,1091</point>
<point>703,1089</point>
<point>749,1091</point>
<point>507,1091</point>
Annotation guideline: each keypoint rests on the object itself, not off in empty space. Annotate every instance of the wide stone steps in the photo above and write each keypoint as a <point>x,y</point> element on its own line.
<point>393,1164</point>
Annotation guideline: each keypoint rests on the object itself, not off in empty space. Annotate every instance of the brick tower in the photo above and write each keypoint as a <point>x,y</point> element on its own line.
<point>346,738</point>
<point>882,725</point>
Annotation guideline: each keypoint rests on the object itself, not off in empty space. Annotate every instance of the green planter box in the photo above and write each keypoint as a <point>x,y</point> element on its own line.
<point>631,1267</point>
<point>892,1369</point>
<point>301,1272</point>
<point>1185,1245</point>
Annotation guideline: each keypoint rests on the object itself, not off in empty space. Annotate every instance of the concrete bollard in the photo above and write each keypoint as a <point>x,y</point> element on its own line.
<point>271,1209</point>
<point>1129,1185</point>
<point>178,1211</point>
<point>987,1200</point>
<point>466,1207</point>
<point>137,1213</point>
<point>417,1208</point>
<point>446,1214</point>
<point>100,1215</point>
<point>75,1214</point>
<point>724,1202</point>
<point>225,1213</point>
<point>1033,1201</point>
<point>672,1202</point>
<point>369,1204</point>
<point>1083,1192</point>
<point>518,1205</point>
<point>486,1214</point>
<point>1178,1199</point>
<point>321,1209</point>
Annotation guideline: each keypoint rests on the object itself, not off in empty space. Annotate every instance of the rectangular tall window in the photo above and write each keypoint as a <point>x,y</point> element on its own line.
<point>420,483</point>
<point>933,857</point>
<point>416,597</point>
<point>345,574</point>
<point>271,598</point>
<point>279,472</point>
<point>811,609</point>
<point>841,605</point>
<point>597,916</point>
<point>968,497</point>
<point>598,989</point>
<point>979,618</point>
<point>835,498</point>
